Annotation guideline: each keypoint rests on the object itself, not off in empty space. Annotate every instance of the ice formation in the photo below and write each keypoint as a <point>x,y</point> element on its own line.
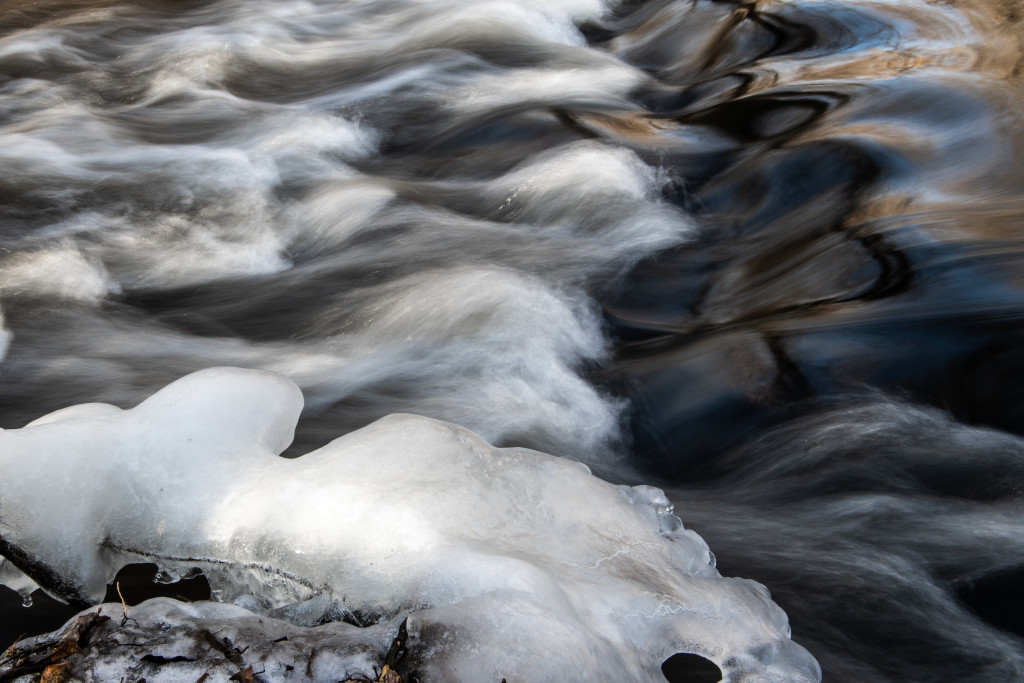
<point>502,562</point>
<point>5,337</point>
<point>167,641</point>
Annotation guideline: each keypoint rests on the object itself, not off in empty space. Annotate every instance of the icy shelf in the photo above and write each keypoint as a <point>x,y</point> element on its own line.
<point>167,641</point>
<point>502,562</point>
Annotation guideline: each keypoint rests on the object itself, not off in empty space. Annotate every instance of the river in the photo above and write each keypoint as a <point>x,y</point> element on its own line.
<point>766,256</point>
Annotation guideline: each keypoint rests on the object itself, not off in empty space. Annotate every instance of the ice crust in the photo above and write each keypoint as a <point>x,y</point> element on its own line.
<point>5,337</point>
<point>504,562</point>
<point>167,641</point>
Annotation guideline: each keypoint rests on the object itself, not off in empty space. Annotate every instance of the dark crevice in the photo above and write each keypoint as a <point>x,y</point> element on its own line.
<point>690,668</point>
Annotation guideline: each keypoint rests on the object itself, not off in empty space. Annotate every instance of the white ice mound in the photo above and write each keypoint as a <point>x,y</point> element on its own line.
<point>508,563</point>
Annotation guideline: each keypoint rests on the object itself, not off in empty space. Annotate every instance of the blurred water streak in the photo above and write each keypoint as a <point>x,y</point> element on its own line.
<point>765,255</point>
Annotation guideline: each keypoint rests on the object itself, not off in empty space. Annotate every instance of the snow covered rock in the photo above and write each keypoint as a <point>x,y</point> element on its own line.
<point>164,640</point>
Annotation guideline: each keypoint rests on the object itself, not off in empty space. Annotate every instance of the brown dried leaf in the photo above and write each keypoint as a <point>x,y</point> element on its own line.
<point>213,642</point>
<point>243,676</point>
<point>56,673</point>
<point>64,649</point>
<point>84,624</point>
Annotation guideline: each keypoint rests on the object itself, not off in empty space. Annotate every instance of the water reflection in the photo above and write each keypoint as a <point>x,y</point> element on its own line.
<point>858,258</point>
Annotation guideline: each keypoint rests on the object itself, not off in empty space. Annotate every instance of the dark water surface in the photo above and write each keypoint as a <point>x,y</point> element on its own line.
<point>766,256</point>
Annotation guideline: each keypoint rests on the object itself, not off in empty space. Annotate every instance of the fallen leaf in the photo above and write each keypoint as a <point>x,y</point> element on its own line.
<point>64,649</point>
<point>389,675</point>
<point>243,676</point>
<point>56,673</point>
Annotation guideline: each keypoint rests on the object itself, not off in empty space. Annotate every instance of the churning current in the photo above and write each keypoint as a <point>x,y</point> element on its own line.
<point>766,256</point>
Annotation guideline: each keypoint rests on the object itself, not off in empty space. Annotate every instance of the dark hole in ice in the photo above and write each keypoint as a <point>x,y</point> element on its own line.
<point>689,668</point>
<point>137,586</point>
<point>46,614</point>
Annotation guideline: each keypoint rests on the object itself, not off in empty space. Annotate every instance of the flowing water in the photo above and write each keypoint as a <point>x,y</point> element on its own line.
<point>763,255</point>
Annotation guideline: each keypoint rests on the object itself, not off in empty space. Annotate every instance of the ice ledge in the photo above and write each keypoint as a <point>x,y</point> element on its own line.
<point>508,563</point>
<point>163,640</point>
